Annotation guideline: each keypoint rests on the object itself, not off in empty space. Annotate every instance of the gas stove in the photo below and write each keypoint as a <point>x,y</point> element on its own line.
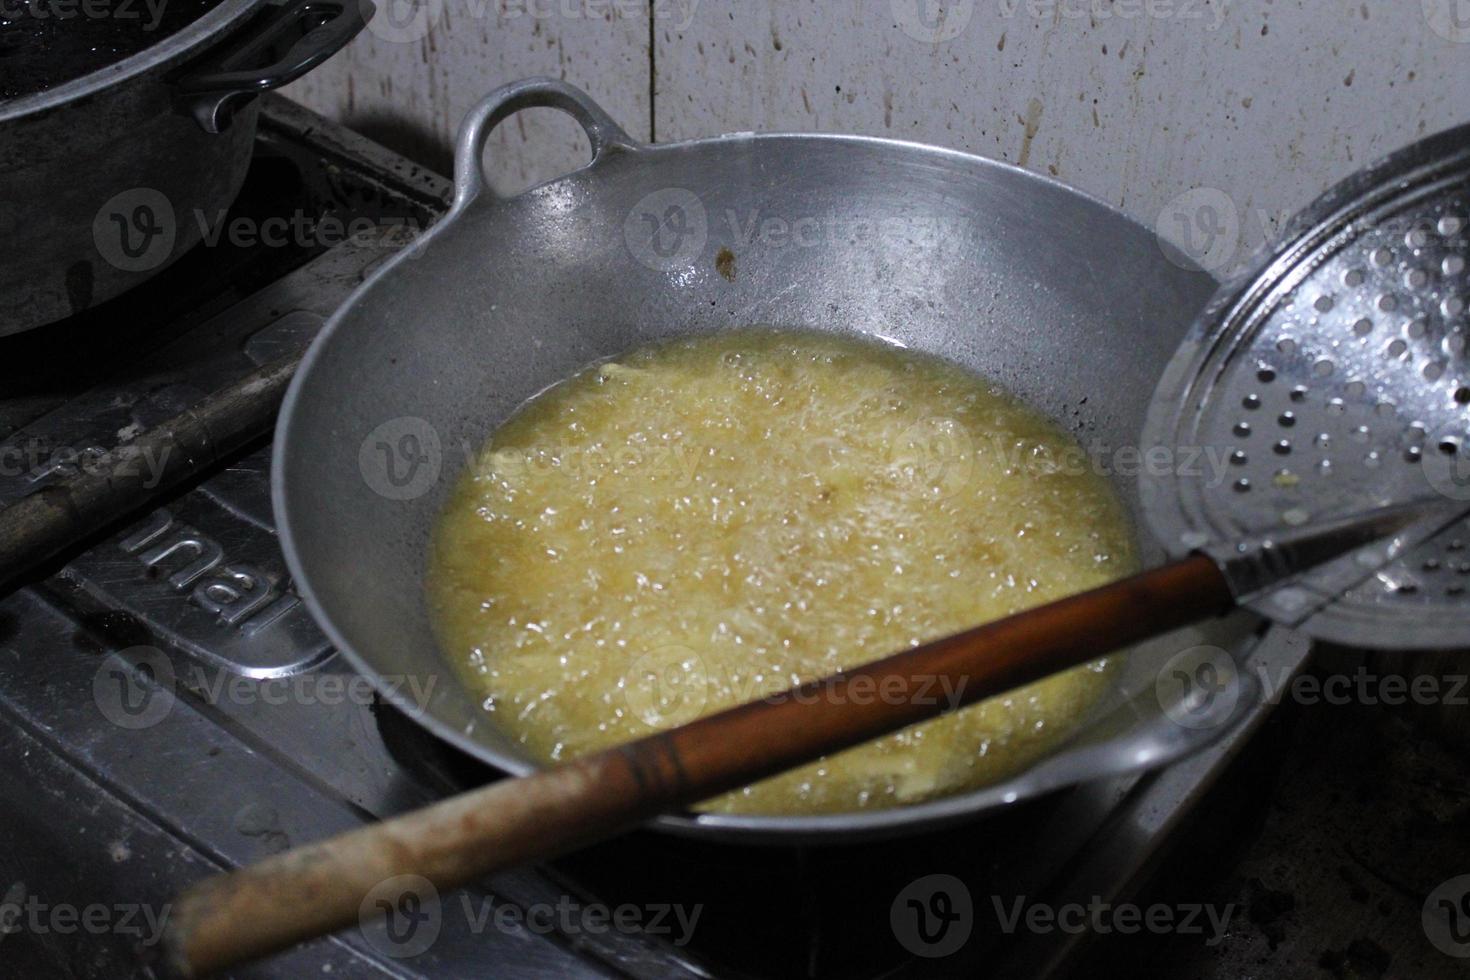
<point>168,708</point>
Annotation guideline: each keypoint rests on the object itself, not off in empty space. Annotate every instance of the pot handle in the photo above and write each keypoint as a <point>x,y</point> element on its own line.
<point>213,88</point>
<point>469,146</point>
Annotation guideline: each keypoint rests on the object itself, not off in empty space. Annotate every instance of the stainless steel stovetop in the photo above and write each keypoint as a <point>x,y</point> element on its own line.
<point>168,708</point>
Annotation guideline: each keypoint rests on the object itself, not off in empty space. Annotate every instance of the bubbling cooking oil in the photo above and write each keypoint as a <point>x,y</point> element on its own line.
<point>700,523</point>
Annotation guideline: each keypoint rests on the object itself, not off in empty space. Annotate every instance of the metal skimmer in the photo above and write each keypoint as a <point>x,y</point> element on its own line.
<point>1330,378</point>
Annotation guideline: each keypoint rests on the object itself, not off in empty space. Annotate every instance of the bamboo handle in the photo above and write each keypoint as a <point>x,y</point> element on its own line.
<point>318,888</point>
<point>38,527</point>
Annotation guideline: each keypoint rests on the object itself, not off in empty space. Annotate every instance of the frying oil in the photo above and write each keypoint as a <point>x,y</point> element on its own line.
<point>703,522</point>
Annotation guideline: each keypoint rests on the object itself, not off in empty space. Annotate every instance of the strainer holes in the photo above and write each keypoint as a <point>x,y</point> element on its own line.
<point>1355,389</point>
<point>1387,303</point>
<point>1452,265</point>
<point>1455,344</point>
<point>1299,393</point>
<point>1417,238</point>
<point>1454,590</point>
<point>1413,454</point>
<point>1353,278</point>
<point>1452,306</point>
<point>1397,348</point>
<point>1265,375</point>
<point>1433,371</point>
<point>1323,367</point>
<point>1239,458</point>
<point>1361,433</point>
<point>1373,459</point>
<point>1385,410</point>
<point>1381,257</point>
<point>1251,402</point>
<point>1336,406</point>
<point>1286,420</point>
<point>1456,545</point>
<point>1323,304</point>
<point>1431,564</point>
<point>1418,329</point>
<point>1448,446</point>
<point>1406,588</point>
<point>1242,485</point>
<point>1242,429</point>
<point>1450,224</point>
<point>1416,278</point>
<point>1286,345</point>
<point>1462,395</point>
<point>1363,327</point>
<point>1281,447</point>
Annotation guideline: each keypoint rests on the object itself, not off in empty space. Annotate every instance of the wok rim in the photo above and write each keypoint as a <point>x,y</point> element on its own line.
<point>1029,783</point>
<point>213,27</point>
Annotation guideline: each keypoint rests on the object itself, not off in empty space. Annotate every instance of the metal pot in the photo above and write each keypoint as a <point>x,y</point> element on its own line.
<point>112,176</point>
<point>1064,301</point>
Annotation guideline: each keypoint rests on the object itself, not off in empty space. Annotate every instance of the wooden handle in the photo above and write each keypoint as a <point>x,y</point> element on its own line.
<point>319,888</point>
<point>37,528</point>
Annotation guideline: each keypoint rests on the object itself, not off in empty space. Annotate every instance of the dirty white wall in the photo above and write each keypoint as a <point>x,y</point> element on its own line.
<point>1195,116</point>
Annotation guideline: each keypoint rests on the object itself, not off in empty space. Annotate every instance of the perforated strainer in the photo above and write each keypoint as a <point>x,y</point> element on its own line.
<point>1330,378</point>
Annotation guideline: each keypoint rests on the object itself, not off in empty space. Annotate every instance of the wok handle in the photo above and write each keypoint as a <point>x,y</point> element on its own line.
<point>401,864</point>
<point>284,43</point>
<point>530,93</point>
